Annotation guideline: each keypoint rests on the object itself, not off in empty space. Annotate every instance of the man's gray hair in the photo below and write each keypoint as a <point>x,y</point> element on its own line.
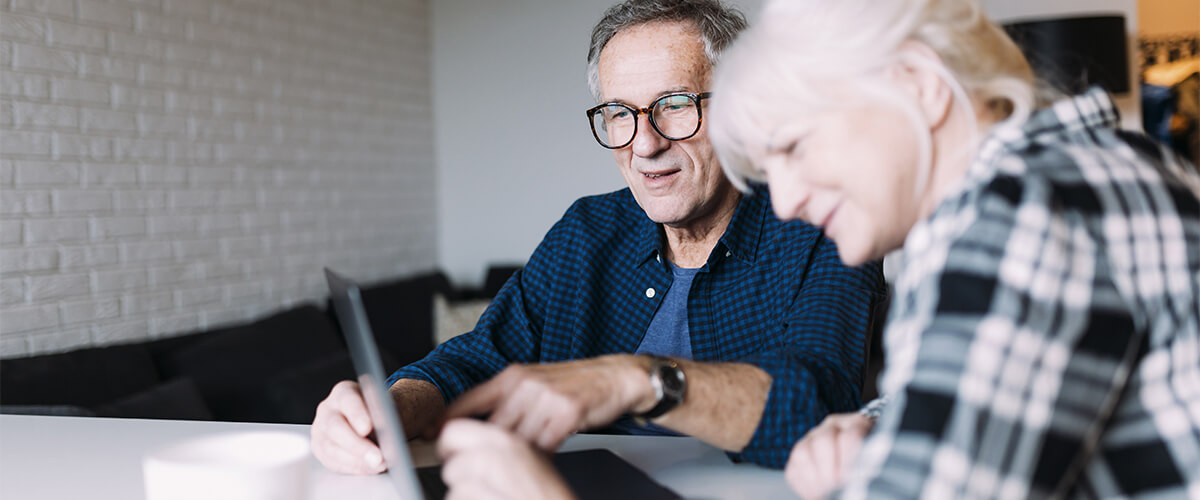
<point>718,24</point>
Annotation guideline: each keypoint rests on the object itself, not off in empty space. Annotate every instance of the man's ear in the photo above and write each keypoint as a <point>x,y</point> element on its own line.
<point>916,72</point>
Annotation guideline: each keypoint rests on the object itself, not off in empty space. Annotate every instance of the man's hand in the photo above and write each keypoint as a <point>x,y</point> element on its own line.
<point>819,462</point>
<point>483,461</point>
<point>342,424</point>
<point>340,430</point>
<point>547,403</point>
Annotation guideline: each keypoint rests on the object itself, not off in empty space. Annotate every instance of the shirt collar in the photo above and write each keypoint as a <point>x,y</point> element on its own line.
<point>740,238</point>
<point>648,236</point>
<point>1092,109</point>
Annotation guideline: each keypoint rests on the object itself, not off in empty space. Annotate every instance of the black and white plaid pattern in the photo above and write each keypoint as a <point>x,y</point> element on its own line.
<point>1044,340</point>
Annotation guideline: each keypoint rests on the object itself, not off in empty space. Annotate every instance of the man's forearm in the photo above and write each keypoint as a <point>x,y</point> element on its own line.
<point>723,403</point>
<point>419,404</point>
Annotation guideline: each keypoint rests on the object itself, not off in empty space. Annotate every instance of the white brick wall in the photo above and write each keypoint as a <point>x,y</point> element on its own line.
<point>173,165</point>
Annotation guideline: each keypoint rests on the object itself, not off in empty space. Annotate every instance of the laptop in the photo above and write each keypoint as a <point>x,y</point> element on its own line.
<point>591,474</point>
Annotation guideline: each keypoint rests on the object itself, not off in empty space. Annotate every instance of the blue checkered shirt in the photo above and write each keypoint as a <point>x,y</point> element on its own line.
<point>772,294</point>
<point>1043,340</point>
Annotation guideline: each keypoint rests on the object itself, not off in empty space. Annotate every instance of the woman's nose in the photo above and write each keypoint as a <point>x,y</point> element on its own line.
<point>789,196</point>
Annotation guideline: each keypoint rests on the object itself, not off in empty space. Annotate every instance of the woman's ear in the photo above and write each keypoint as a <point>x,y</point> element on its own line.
<point>918,70</point>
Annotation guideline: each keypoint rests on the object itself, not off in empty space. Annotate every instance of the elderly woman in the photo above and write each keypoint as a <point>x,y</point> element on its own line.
<point>1043,339</point>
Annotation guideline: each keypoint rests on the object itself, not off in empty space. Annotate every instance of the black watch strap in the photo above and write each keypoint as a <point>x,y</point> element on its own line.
<point>670,383</point>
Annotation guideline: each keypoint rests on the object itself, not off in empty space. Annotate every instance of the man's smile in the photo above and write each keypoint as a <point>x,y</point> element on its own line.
<point>660,173</point>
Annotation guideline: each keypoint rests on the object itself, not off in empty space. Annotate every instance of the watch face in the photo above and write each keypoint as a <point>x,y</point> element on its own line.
<point>669,385</point>
<point>673,381</point>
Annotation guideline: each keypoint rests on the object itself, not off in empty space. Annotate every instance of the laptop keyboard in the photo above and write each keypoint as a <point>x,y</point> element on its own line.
<point>431,482</point>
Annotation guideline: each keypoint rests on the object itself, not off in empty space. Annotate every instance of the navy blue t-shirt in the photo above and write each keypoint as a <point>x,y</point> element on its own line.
<point>668,333</point>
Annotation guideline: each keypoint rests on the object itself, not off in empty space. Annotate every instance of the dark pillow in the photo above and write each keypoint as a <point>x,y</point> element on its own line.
<point>161,349</point>
<point>53,410</point>
<point>401,316</point>
<point>497,276</point>
<point>174,399</point>
<point>231,367</point>
<point>81,378</point>
<point>293,395</point>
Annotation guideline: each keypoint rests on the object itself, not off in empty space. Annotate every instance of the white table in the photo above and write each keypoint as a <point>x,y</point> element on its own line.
<point>45,458</point>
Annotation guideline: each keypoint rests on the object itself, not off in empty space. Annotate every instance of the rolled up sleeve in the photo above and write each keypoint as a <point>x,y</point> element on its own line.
<point>817,364</point>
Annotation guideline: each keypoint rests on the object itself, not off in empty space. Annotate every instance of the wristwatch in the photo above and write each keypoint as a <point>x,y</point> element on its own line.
<point>670,386</point>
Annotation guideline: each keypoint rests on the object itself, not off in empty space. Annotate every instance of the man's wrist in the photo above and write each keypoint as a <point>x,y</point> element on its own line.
<point>670,386</point>
<point>637,383</point>
<point>419,405</point>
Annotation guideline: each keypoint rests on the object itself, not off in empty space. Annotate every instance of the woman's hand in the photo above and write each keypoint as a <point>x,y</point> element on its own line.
<point>819,462</point>
<point>481,460</point>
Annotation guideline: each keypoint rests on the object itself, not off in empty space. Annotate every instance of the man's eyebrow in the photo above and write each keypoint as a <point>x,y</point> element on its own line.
<point>672,90</point>
<point>616,101</point>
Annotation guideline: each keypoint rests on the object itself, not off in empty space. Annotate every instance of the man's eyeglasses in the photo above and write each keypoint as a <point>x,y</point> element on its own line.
<point>674,116</point>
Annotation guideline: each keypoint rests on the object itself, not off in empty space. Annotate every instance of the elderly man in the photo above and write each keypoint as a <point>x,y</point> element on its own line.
<point>678,300</point>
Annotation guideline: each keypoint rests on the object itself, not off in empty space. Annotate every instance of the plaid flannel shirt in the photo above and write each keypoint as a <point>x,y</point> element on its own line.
<point>772,293</point>
<point>1043,339</point>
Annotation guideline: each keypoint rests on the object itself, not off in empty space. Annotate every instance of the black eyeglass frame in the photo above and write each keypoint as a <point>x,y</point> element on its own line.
<point>696,98</point>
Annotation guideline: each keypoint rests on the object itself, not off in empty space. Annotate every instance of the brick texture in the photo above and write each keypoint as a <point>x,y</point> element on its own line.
<point>176,165</point>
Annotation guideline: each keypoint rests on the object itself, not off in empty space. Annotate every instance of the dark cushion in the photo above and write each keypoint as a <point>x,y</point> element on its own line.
<point>53,410</point>
<point>294,394</point>
<point>401,316</point>
<point>174,399</point>
<point>161,349</point>
<point>81,378</point>
<point>231,367</point>
<point>497,276</point>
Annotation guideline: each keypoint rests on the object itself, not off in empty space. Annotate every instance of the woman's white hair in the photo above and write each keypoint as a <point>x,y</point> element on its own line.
<point>787,62</point>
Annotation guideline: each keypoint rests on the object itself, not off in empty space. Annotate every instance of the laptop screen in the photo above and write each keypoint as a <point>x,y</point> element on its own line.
<point>389,433</point>
<point>596,474</point>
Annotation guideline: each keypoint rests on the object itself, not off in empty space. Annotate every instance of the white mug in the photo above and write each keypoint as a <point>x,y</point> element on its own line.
<point>254,465</point>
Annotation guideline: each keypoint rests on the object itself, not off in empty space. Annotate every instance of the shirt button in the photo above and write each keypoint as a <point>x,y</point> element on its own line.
<point>649,293</point>
<point>727,253</point>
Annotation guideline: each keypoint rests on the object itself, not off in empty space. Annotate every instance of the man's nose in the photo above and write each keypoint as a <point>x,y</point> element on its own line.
<point>648,142</point>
